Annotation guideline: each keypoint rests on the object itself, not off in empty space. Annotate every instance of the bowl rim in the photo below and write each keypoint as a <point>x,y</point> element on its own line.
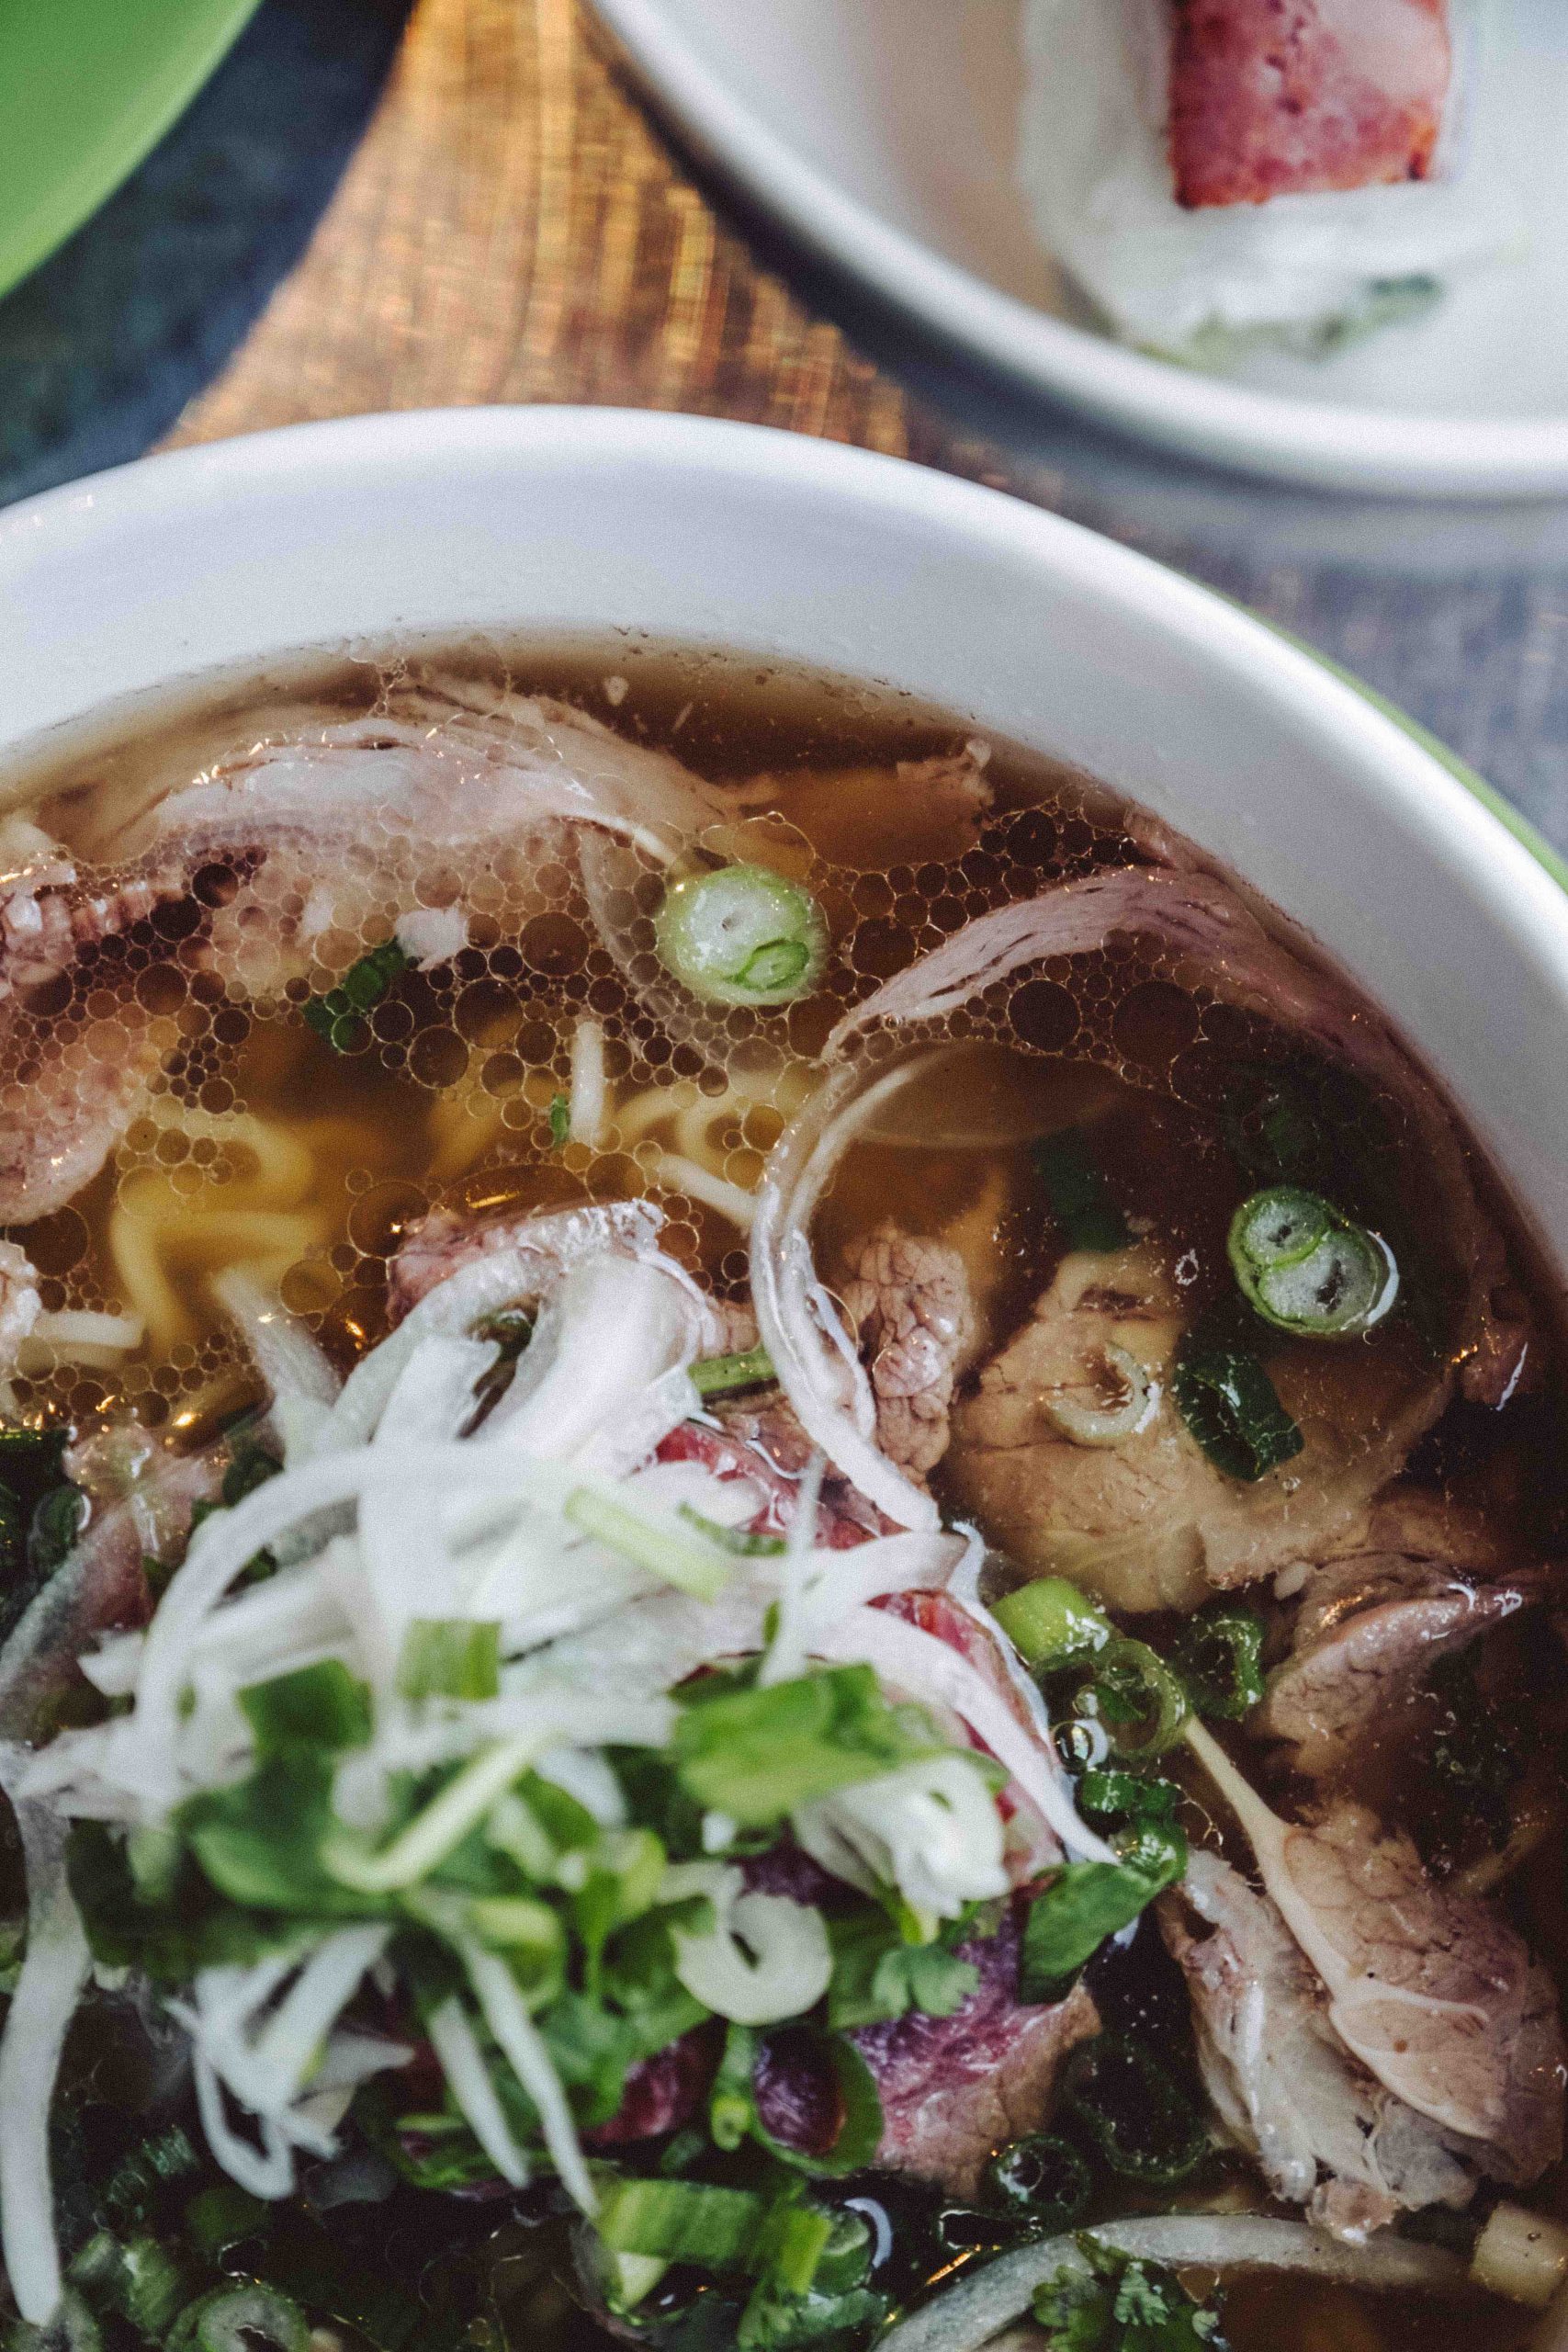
<point>1322,444</point>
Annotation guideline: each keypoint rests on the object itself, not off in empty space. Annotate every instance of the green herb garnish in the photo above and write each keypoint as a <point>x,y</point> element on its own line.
<point>1113,2304</point>
<point>338,1016</point>
<point>1232,1408</point>
<point>757,1755</point>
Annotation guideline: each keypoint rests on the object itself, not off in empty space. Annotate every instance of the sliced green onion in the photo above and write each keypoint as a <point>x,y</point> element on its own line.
<point>558,1117</point>
<point>1041,2179</point>
<point>695,1567</point>
<point>1219,1655</point>
<point>681,2221</point>
<point>152,2289</point>
<point>1051,1623</point>
<point>1141,2122</point>
<point>1080,1200</point>
<point>742,936</point>
<point>232,2318</point>
<point>738,1540</point>
<point>1308,1269</point>
<point>717,1375</point>
<point>317,1706</point>
<point>1277,1227</point>
<point>450,1657</point>
<point>1232,1408</point>
<point>1137,1698</point>
<point>337,1015</point>
<point>222,2217</point>
<point>426,1842</point>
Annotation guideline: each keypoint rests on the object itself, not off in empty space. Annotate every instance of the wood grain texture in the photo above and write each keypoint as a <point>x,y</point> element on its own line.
<point>512,228</point>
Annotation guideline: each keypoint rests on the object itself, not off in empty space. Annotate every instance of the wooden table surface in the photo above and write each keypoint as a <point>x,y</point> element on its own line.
<point>512,227</point>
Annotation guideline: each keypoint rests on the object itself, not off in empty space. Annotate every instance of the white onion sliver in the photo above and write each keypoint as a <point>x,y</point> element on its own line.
<point>266,2171</point>
<point>525,2051</point>
<point>783,1279</point>
<point>288,1357</point>
<point>467,2078</point>
<point>675,1173</point>
<point>969,2313</point>
<point>929,1669</point>
<point>53,1975</point>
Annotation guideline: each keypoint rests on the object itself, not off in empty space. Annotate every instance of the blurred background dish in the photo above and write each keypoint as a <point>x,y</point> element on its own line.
<point>86,87</point>
<point>884,134</point>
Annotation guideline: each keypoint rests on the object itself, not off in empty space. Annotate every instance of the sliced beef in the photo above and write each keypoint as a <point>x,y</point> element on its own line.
<point>1434,1993</point>
<point>1326,2133</point>
<point>63,1110</point>
<point>1373,1622</point>
<point>762,1441</point>
<point>956,2089</point>
<point>908,1303</point>
<point>1148,1521</point>
<point>1286,97</point>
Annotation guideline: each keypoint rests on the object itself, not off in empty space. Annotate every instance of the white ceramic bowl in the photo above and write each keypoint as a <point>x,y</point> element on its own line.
<point>882,133</point>
<point>562,521</point>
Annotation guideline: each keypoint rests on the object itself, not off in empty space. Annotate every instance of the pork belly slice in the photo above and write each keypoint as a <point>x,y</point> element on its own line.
<point>1324,2132</point>
<point>1289,98</point>
<point>1372,1624</point>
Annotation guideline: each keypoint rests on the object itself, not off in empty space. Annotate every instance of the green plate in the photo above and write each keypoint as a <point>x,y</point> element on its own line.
<point>86,87</point>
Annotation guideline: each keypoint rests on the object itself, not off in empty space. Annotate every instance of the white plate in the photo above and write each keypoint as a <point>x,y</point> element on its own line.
<point>882,132</point>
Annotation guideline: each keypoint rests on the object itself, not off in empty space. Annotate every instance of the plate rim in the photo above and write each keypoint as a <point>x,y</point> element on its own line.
<point>1319,445</point>
<point>151,107</point>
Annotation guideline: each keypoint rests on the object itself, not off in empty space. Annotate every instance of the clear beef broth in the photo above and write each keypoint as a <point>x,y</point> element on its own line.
<point>256,1142</point>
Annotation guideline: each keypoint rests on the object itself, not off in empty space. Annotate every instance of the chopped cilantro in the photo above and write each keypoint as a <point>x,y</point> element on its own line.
<point>1117,2305</point>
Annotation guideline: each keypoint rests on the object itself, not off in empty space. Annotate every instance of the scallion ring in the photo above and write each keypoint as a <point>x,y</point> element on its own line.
<point>742,936</point>
<point>1308,1269</point>
<point>1137,1698</point>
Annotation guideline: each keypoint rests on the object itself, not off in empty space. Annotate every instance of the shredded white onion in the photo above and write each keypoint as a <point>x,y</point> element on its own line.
<point>765,1957</point>
<point>288,1357</point>
<point>467,2078</point>
<point>53,1975</point>
<point>969,2313</point>
<point>806,1357</point>
<point>522,2047</point>
<point>929,1669</point>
